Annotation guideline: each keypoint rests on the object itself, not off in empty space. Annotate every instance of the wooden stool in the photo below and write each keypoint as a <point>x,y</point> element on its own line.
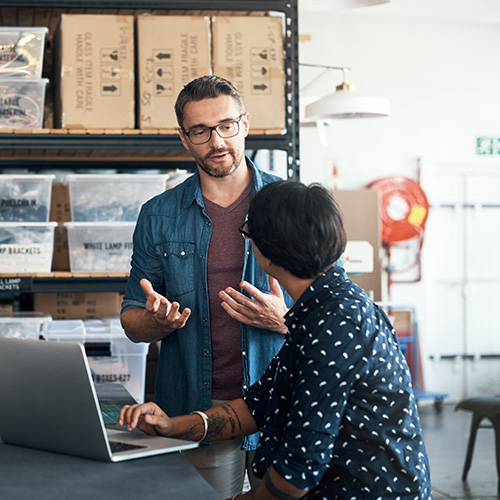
<point>481,408</point>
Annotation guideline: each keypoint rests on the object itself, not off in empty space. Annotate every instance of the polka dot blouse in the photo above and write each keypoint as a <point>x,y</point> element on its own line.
<point>335,407</point>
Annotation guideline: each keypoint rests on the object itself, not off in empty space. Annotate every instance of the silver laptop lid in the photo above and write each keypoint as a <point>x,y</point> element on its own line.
<point>48,400</point>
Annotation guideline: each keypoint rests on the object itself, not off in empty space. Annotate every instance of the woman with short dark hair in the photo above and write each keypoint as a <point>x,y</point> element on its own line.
<point>336,411</point>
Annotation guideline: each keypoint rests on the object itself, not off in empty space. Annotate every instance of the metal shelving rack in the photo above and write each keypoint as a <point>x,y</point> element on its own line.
<point>153,144</point>
<point>76,148</point>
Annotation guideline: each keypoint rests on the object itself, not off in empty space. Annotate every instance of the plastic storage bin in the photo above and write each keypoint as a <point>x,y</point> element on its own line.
<point>23,325</point>
<point>21,103</point>
<point>112,357</point>
<point>21,51</point>
<point>115,197</point>
<point>100,246</point>
<point>25,198</point>
<point>26,247</point>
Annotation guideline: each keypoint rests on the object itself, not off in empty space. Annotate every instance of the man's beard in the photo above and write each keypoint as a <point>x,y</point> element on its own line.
<point>204,163</point>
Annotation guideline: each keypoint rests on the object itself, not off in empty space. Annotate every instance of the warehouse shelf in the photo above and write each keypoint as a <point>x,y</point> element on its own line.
<point>133,149</point>
<point>64,282</point>
<point>158,144</point>
<point>57,142</point>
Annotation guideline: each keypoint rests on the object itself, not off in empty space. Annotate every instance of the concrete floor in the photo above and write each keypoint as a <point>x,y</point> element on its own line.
<point>446,434</point>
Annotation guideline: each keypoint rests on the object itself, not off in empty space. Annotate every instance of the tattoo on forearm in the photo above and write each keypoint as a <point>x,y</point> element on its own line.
<point>217,423</point>
<point>191,434</point>
<point>233,416</point>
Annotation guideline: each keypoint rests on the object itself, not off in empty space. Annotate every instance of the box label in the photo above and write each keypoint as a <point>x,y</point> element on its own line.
<point>97,71</point>
<point>173,50</point>
<point>248,51</point>
<point>26,258</point>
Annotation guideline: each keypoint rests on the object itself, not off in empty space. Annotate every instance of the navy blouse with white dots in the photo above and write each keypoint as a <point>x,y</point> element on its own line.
<point>335,408</point>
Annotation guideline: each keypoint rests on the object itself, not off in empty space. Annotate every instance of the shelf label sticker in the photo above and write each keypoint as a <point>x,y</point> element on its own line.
<point>16,284</point>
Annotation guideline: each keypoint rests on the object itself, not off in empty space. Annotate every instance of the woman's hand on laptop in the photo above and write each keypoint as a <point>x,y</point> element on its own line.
<point>147,417</point>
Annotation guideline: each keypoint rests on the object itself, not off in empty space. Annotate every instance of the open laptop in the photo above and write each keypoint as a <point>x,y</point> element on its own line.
<point>49,402</point>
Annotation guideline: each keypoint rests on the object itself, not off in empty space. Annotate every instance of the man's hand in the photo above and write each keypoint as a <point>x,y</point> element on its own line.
<point>148,417</point>
<point>263,311</point>
<point>166,314</point>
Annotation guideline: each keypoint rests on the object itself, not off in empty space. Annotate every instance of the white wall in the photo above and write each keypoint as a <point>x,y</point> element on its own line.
<point>442,76</point>
<point>443,81</point>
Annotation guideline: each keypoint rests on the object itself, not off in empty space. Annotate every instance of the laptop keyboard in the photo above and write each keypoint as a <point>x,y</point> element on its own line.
<point>110,410</point>
<point>117,446</point>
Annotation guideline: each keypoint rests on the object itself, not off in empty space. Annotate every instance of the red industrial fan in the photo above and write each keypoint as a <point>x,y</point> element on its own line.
<point>403,214</point>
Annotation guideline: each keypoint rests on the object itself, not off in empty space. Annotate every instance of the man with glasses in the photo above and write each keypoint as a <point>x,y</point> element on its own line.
<point>195,283</point>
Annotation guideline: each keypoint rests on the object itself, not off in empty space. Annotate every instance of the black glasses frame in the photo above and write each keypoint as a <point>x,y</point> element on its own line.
<point>244,233</point>
<point>211,129</point>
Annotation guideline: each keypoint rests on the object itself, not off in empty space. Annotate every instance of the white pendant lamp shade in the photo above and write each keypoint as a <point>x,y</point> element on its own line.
<point>343,103</point>
<point>347,104</point>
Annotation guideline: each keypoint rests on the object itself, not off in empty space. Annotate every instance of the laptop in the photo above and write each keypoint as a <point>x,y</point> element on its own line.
<point>49,402</point>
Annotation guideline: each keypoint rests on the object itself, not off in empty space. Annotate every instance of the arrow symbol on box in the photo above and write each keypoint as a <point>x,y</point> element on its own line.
<point>162,56</point>
<point>262,86</point>
<point>111,88</point>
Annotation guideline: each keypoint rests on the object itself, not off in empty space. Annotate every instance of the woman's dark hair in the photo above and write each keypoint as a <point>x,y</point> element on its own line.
<point>205,87</point>
<point>297,227</point>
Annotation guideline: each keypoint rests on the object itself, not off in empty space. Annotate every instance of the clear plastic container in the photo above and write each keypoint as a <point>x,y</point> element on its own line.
<point>21,103</point>
<point>25,198</point>
<point>111,197</point>
<point>113,358</point>
<point>100,246</point>
<point>26,247</point>
<point>23,325</point>
<point>21,51</point>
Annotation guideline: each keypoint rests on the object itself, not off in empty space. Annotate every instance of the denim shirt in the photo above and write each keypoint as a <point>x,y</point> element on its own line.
<point>171,241</point>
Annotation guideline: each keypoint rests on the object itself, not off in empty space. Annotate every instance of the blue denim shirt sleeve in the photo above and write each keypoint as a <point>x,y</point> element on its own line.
<point>170,246</point>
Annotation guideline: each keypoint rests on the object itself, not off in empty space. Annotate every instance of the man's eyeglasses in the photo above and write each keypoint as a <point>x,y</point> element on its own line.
<point>243,231</point>
<point>227,129</point>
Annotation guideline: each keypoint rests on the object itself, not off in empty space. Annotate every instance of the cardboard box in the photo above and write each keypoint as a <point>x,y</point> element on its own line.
<point>78,305</point>
<point>403,321</point>
<point>60,211</point>
<point>172,51</point>
<point>248,51</point>
<point>360,209</point>
<point>95,84</point>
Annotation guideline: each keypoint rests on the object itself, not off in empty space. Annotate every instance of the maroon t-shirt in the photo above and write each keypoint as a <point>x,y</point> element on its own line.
<point>226,253</point>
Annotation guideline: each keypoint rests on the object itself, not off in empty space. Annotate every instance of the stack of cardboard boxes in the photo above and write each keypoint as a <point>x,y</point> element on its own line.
<point>96,78</point>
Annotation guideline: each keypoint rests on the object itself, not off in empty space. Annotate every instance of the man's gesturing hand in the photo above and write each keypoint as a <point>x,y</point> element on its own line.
<point>263,310</point>
<point>166,314</point>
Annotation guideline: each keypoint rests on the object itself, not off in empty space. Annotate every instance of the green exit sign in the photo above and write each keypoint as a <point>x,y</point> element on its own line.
<point>486,145</point>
